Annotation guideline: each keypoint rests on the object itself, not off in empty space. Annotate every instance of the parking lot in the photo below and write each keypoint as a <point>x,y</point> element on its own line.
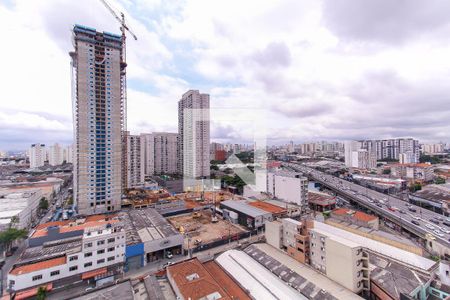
<point>200,230</point>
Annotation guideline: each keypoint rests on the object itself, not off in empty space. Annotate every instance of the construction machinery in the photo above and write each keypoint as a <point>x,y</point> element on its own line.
<point>123,65</point>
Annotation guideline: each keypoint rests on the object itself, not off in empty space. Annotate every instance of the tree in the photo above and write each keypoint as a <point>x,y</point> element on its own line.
<point>387,171</point>
<point>41,293</point>
<point>70,201</point>
<point>43,204</point>
<point>11,234</point>
<point>415,187</point>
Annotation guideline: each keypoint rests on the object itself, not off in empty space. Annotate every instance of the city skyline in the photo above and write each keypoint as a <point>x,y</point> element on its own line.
<point>320,76</point>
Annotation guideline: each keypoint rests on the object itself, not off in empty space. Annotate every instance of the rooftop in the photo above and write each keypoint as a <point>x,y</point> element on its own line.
<point>271,208</point>
<point>143,225</point>
<point>194,282</point>
<point>242,206</point>
<point>38,266</point>
<point>402,256</point>
<point>254,277</point>
<point>321,198</point>
<point>433,194</point>
<point>122,291</point>
<point>359,215</point>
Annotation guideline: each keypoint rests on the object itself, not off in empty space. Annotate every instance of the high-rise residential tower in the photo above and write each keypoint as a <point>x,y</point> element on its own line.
<point>98,88</point>
<point>194,135</point>
<point>37,155</point>
<point>159,153</point>
<point>134,161</point>
<point>55,155</point>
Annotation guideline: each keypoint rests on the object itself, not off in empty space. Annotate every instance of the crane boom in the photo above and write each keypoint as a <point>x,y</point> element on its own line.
<point>120,19</point>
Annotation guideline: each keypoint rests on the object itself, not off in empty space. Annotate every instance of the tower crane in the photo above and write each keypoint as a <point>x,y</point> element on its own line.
<point>123,65</point>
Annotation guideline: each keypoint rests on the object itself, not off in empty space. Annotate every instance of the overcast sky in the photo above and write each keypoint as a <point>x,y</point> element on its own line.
<point>332,69</point>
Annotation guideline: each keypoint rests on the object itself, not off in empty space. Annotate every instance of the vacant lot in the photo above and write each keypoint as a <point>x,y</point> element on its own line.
<point>201,228</point>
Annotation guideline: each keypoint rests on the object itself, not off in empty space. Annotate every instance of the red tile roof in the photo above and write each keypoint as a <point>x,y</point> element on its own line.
<point>267,207</point>
<point>38,266</point>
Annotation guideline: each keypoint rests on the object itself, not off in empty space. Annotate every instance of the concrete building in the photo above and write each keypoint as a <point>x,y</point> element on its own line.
<point>414,172</point>
<point>341,260</point>
<point>435,197</point>
<point>68,154</point>
<point>159,154</point>
<point>349,148</point>
<point>433,148</point>
<point>98,79</point>
<point>194,135</point>
<point>20,207</point>
<point>37,155</point>
<point>61,253</point>
<point>193,280</point>
<point>238,211</point>
<point>290,187</point>
<point>134,164</point>
<point>55,155</point>
<point>356,217</point>
<point>392,148</point>
<point>150,237</point>
<point>361,155</point>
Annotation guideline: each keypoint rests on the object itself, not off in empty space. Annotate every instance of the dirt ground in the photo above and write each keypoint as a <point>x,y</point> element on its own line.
<point>202,229</point>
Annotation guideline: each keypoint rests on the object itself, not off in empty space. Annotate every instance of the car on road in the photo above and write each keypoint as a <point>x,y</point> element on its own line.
<point>401,211</point>
<point>412,209</point>
<point>438,233</point>
<point>434,221</point>
<point>429,226</point>
<point>415,222</point>
<point>169,263</point>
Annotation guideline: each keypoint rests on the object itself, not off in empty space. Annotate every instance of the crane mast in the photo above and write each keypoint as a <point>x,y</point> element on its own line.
<point>123,75</point>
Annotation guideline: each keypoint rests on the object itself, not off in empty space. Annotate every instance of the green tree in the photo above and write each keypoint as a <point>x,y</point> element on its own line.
<point>70,201</point>
<point>43,203</point>
<point>387,171</point>
<point>415,187</point>
<point>10,235</point>
<point>41,293</point>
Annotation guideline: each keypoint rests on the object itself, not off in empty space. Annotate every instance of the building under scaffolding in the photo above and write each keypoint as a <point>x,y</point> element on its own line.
<point>99,112</point>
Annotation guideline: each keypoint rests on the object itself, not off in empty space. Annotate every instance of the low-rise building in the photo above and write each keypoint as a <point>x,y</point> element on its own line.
<point>240,212</point>
<point>417,172</point>
<point>287,186</point>
<point>321,202</point>
<point>150,237</point>
<point>341,260</point>
<point>19,207</point>
<point>356,217</point>
<point>432,197</point>
<point>61,253</point>
<point>193,280</point>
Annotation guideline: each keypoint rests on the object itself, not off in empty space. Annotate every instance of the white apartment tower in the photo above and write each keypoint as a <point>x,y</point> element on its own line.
<point>68,154</point>
<point>159,153</point>
<point>37,155</point>
<point>134,161</point>
<point>55,155</point>
<point>194,135</point>
<point>98,90</point>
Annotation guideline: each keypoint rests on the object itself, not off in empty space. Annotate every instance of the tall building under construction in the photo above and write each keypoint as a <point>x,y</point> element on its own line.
<point>99,104</point>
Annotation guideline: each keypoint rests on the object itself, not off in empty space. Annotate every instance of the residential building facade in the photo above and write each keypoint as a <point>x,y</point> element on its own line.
<point>55,155</point>
<point>134,178</point>
<point>290,187</point>
<point>194,135</point>
<point>37,155</point>
<point>98,79</point>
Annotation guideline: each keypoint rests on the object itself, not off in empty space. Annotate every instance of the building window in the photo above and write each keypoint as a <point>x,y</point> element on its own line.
<point>111,249</point>
<point>54,273</point>
<point>72,258</point>
<point>88,254</point>
<point>88,264</point>
<point>111,258</point>
<point>111,240</point>
<point>37,277</point>
<point>100,243</point>
<point>100,261</point>
<point>88,245</point>
<point>101,251</point>
<point>73,268</point>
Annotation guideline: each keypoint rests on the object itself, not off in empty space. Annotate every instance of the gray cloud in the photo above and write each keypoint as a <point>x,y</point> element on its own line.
<point>274,55</point>
<point>303,110</point>
<point>384,20</point>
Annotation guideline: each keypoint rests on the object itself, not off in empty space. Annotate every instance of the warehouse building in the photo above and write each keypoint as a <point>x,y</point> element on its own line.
<point>240,212</point>
<point>150,237</point>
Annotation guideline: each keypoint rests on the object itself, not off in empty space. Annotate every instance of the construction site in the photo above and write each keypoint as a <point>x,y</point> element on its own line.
<point>201,227</point>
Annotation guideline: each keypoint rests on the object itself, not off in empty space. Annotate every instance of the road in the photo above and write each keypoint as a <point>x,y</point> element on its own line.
<point>411,217</point>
